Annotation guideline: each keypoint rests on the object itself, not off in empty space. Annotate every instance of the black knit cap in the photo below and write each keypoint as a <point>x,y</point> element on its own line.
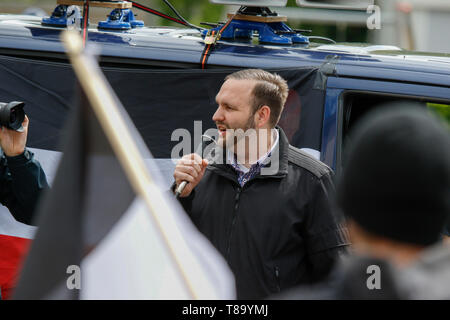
<point>396,181</point>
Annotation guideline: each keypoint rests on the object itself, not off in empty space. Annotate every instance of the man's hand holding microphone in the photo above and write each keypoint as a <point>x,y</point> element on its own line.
<point>189,169</point>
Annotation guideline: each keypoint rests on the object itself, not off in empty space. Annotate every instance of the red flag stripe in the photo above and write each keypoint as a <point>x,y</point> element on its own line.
<point>12,253</point>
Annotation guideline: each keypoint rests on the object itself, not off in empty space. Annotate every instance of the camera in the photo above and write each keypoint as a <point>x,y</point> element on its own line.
<point>12,115</point>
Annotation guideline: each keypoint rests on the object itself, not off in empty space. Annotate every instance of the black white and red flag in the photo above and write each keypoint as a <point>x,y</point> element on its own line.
<point>107,230</point>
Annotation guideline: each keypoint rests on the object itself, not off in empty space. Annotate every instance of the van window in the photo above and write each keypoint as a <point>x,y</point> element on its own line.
<point>357,104</point>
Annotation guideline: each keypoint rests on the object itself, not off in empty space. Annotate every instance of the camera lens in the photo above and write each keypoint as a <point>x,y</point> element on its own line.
<point>12,118</point>
<point>12,115</point>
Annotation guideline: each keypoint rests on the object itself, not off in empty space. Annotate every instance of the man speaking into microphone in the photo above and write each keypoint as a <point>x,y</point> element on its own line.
<point>266,207</point>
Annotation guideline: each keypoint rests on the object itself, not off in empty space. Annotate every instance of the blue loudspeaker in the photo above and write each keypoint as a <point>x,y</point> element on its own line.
<point>120,19</point>
<point>62,16</point>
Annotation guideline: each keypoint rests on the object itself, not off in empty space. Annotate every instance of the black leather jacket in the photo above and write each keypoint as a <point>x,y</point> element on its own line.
<point>278,230</point>
<point>22,180</point>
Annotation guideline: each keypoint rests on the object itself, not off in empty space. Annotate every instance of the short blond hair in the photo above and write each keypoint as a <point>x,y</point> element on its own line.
<point>271,90</point>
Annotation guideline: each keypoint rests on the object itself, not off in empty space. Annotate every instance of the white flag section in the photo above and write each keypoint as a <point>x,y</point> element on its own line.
<point>10,226</point>
<point>132,263</point>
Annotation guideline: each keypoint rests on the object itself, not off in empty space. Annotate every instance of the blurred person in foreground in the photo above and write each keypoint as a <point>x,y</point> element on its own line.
<point>22,181</point>
<point>22,178</point>
<point>395,193</point>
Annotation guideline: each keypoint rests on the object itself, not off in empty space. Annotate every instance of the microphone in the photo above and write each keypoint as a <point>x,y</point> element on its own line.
<point>205,143</point>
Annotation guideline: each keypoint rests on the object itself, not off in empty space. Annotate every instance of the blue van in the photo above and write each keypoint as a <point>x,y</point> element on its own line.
<point>165,82</point>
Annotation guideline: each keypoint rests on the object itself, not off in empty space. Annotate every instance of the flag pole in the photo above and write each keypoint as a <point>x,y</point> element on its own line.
<point>107,110</point>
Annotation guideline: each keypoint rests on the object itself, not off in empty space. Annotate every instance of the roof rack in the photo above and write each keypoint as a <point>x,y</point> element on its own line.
<point>269,26</point>
<point>121,18</point>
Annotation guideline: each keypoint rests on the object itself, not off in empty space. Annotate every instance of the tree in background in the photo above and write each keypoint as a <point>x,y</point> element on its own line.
<point>195,11</point>
<point>442,110</point>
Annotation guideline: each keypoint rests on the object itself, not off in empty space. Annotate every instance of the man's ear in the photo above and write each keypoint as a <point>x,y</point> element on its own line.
<point>262,116</point>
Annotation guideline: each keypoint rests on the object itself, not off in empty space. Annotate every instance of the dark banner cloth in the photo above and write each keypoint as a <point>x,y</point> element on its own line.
<point>157,100</point>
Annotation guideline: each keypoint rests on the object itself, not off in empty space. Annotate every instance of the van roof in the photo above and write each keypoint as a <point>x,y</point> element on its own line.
<point>182,47</point>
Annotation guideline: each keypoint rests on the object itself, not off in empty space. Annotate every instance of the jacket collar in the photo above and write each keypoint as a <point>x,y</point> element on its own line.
<point>276,168</point>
